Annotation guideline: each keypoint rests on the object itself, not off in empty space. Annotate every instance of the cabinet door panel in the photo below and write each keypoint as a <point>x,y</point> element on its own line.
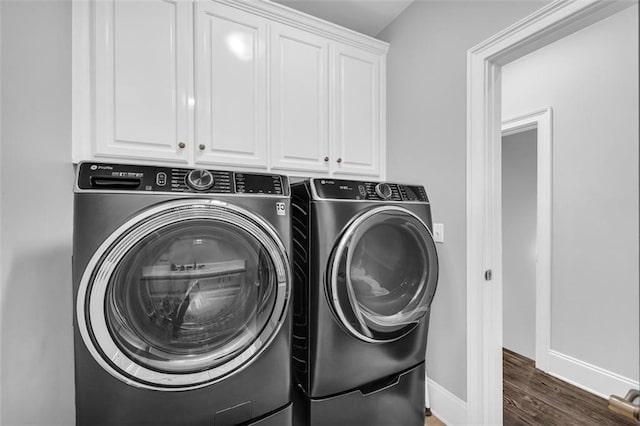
<point>142,71</point>
<point>357,112</point>
<point>299,100</point>
<point>230,87</point>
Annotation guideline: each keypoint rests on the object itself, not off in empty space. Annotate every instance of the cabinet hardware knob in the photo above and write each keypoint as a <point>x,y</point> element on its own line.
<point>326,158</point>
<point>181,145</point>
<point>202,147</point>
<point>339,160</point>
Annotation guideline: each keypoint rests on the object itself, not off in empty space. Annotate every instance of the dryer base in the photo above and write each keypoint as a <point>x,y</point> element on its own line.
<point>399,402</point>
<point>282,417</point>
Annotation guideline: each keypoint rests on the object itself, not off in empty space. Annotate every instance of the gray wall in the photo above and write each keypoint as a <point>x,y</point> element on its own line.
<point>519,161</point>
<point>36,217</point>
<point>426,144</point>
<point>590,79</point>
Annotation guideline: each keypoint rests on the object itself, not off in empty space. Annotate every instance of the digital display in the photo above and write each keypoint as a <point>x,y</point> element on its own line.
<point>258,184</point>
<point>340,189</point>
<point>413,193</point>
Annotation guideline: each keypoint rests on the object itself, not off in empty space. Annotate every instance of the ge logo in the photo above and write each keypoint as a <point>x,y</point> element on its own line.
<point>93,167</point>
<point>281,210</point>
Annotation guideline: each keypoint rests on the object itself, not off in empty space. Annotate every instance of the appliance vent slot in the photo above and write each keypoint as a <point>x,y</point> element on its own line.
<point>301,268</point>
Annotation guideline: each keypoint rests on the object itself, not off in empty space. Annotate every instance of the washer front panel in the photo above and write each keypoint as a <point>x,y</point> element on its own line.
<point>382,274</point>
<point>165,302</point>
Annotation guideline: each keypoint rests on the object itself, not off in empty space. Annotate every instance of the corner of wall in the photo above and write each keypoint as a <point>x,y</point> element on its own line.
<point>445,405</point>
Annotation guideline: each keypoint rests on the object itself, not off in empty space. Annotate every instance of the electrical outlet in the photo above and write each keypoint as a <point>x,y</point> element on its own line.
<point>438,232</point>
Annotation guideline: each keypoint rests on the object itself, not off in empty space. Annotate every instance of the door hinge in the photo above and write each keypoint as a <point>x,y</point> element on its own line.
<point>487,275</point>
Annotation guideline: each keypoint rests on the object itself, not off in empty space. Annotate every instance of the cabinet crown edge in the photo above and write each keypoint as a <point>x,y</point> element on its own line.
<point>283,14</point>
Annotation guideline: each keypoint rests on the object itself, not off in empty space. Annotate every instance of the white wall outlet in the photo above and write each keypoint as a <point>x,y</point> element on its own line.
<point>438,232</point>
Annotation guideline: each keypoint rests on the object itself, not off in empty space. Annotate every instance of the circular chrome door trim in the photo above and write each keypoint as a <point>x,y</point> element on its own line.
<point>92,293</point>
<point>335,264</point>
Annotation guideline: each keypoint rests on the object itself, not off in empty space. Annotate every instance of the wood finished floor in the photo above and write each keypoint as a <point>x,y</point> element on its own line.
<point>532,397</point>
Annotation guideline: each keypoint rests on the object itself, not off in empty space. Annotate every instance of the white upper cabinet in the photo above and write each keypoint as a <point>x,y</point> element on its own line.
<point>299,100</point>
<point>357,111</point>
<point>142,79</point>
<point>235,84</point>
<point>231,86</point>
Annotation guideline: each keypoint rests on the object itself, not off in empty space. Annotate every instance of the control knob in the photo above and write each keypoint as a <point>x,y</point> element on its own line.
<point>200,179</point>
<point>383,190</point>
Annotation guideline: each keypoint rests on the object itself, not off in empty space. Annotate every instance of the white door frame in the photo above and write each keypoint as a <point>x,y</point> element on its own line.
<point>484,199</point>
<point>541,121</point>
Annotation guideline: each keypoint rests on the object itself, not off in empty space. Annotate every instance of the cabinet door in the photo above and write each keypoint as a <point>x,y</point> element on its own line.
<point>231,86</point>
<point>358,93</point>
<point>299,100</point>
<point>143,65</point>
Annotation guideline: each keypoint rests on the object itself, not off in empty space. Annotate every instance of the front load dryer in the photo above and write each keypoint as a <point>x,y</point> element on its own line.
<point>182,285</point>
<point>365,273</point>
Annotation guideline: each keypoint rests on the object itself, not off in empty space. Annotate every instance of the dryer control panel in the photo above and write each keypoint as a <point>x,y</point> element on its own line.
<point>128,177</point>
<point>338,189</point>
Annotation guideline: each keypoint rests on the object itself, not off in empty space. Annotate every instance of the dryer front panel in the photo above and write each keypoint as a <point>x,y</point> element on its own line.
<point>184,294</point>
<point>382,274</point>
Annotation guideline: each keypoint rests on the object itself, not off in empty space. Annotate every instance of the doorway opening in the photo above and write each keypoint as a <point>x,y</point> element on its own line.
<point>519,242</point>
<point>526,234</point>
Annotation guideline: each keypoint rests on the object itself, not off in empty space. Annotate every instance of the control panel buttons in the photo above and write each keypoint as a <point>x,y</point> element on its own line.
<point>383,190</point>
<point>200,179</point>
<point>161,179</point>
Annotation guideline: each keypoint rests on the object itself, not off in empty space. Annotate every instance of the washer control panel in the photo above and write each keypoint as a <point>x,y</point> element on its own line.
<point>127,177</point>
<point>338,189</point>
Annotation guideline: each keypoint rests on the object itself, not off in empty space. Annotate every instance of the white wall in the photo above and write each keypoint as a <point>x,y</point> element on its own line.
<point>590,79</point>
<point>426,144</point>
<point>36,218</point>
<point>1,191</point>
<point>519,185</point>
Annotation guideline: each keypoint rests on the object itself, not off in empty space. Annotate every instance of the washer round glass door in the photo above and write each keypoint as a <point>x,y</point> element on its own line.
<point>383,274</point>
<point>184,294</point>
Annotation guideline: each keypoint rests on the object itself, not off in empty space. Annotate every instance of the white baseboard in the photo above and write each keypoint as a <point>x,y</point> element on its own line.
<point>593,379</point>
<point>445,405</point>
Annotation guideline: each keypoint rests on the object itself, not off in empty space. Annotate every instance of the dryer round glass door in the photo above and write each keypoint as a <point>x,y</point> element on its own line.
<point>383,274</point>
<point>184,294</point>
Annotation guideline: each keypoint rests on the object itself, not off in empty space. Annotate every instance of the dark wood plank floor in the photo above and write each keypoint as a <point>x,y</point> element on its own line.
<point>532,397</point>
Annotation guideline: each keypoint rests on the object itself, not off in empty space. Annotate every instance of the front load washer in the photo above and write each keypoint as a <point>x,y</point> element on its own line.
<point>365,273</point>
<point>182,284</point>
